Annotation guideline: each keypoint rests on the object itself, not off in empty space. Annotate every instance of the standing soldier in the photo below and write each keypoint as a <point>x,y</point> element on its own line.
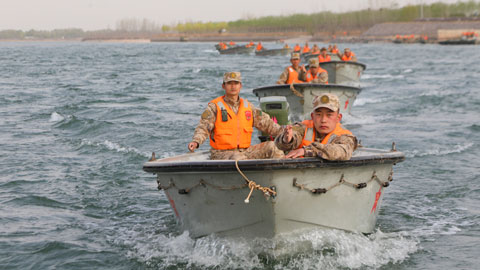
<point>292,73</point>
<point>229,120</point>
<point>323,136</point>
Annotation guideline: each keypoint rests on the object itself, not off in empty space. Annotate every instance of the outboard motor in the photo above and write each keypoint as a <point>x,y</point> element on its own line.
<point>277,107</point>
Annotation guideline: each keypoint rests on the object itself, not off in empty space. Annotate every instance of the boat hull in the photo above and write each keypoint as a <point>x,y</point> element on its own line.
<point>215,203</point>
<point>301,106</point>
<point>273,52</point>
<point>344,73</point>
<point>238,50</point>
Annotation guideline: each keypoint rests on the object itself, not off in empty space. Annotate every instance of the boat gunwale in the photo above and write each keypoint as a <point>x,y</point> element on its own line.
<point>270,164</point>
<point>306,85</point>
<point>346,62</point>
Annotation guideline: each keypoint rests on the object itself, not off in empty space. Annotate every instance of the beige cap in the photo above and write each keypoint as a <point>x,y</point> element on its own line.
<point>326,100</point>
<point>232,76</point>
<point>313,62</point>
<point>295,56</point>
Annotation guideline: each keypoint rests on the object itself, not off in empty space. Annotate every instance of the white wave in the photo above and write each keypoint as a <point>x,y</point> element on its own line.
<point>197,70</point>
<point>379,76</point>
<point>56,117</point>
<point>362,101</point>
<point>408,70</point>
<point>312,249</point>
<point>439,151</point>
<point>115,147</point>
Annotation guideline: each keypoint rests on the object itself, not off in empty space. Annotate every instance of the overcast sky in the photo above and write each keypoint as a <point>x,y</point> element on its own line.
<point>102,14</point>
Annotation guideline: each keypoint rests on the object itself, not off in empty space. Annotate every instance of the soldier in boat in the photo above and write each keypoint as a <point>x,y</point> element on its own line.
<point>323,56</point>
<point>292,73</point>
<point>347,55</point>
<point>229,120</point>
<point>322,136</point>
<point>315,73</point>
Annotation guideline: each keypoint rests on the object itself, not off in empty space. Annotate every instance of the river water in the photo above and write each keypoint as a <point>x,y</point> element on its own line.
<point>77,121</point>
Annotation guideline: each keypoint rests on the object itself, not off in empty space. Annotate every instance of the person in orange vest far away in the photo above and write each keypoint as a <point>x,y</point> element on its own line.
<point>324,56</point>
<point>250,44</point>
<point>323,136</point>
<point>259,46</point>
<point>347,55</point>
<point>315,73</point>
<point>297,48</point>
<point>222,46</point>
<point>306,49</point>
<point>315,49</point>
<point>231,43</point>
<point>228,122</point>
<point>335,49</point>
<point>330,48</point>
<point>292,73</point>
<point>286,46</point>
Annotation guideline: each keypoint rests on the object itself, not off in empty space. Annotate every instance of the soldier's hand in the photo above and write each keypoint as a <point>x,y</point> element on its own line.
<point>303,68</point>
<point>287,134</point>
<point>296,153</point>
<point>192,146</point>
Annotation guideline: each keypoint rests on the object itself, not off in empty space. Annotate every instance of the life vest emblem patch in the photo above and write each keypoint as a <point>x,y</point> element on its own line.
<point>248,115</point>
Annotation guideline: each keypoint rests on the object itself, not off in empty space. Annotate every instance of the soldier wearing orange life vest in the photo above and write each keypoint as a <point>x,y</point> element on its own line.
<point>315,73</point>
<point>323,136</point>
<point>297,48</point>
<point>347,55</point>
<point>306,49</point>
<point>291,74</point>
<point>228,123</point>
<point>323,56</point>
<point>259,47</point>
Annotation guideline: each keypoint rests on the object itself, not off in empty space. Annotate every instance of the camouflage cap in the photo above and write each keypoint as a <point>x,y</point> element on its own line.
<point>295,56</point>
<point>326,100</point>
<point>232,76</point>
<point>313,62</point>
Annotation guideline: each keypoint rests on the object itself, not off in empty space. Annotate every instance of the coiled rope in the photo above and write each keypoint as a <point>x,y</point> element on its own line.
<point>267,192</point>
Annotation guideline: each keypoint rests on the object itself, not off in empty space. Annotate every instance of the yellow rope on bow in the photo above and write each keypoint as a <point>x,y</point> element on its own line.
<point>267,192</point>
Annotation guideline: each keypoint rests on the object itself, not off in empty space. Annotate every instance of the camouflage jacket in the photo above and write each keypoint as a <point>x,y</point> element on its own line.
<point>284,76</point>
<point>340,148</point>
<point>206,125</point>
<point>322,78</point>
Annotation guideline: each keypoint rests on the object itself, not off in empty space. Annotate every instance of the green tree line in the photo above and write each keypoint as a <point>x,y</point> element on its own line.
<point>321,21</point>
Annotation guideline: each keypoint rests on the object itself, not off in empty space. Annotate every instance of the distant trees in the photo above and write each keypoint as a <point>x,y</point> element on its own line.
<point>311,23</point>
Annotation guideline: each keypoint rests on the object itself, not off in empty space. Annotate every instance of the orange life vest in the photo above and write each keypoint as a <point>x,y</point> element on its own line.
<point>306,49</point>
<point>347,58</point>
<point>322,59</point>
<point>311,77</point>
<point>334,51</point>
<point>296,48</point>
<point>231,43</point>
<point>292,76</point>
<point>236,131</point>
<point>259,47</point>
<point>309,136</point>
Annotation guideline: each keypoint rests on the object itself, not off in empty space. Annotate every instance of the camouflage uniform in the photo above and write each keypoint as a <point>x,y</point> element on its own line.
<point>322,77</point>
<point>284,76</point>
<point>261,121</point>
<point>338,147</point>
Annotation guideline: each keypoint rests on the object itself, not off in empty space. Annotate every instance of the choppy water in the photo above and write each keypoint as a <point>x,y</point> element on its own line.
<point>77,120</point>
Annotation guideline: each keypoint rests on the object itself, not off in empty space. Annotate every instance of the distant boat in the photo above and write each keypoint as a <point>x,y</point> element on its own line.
<point>237,50</point>
<point>468,38</point>
<point>271,52</point>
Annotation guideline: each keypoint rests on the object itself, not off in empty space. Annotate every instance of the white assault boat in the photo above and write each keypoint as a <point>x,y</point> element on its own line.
<point>264,198</point>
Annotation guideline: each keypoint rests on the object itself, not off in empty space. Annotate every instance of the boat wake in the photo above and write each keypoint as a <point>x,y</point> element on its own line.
<point>114,146</point>
<point>312,249</point>
<point>459,148</point>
